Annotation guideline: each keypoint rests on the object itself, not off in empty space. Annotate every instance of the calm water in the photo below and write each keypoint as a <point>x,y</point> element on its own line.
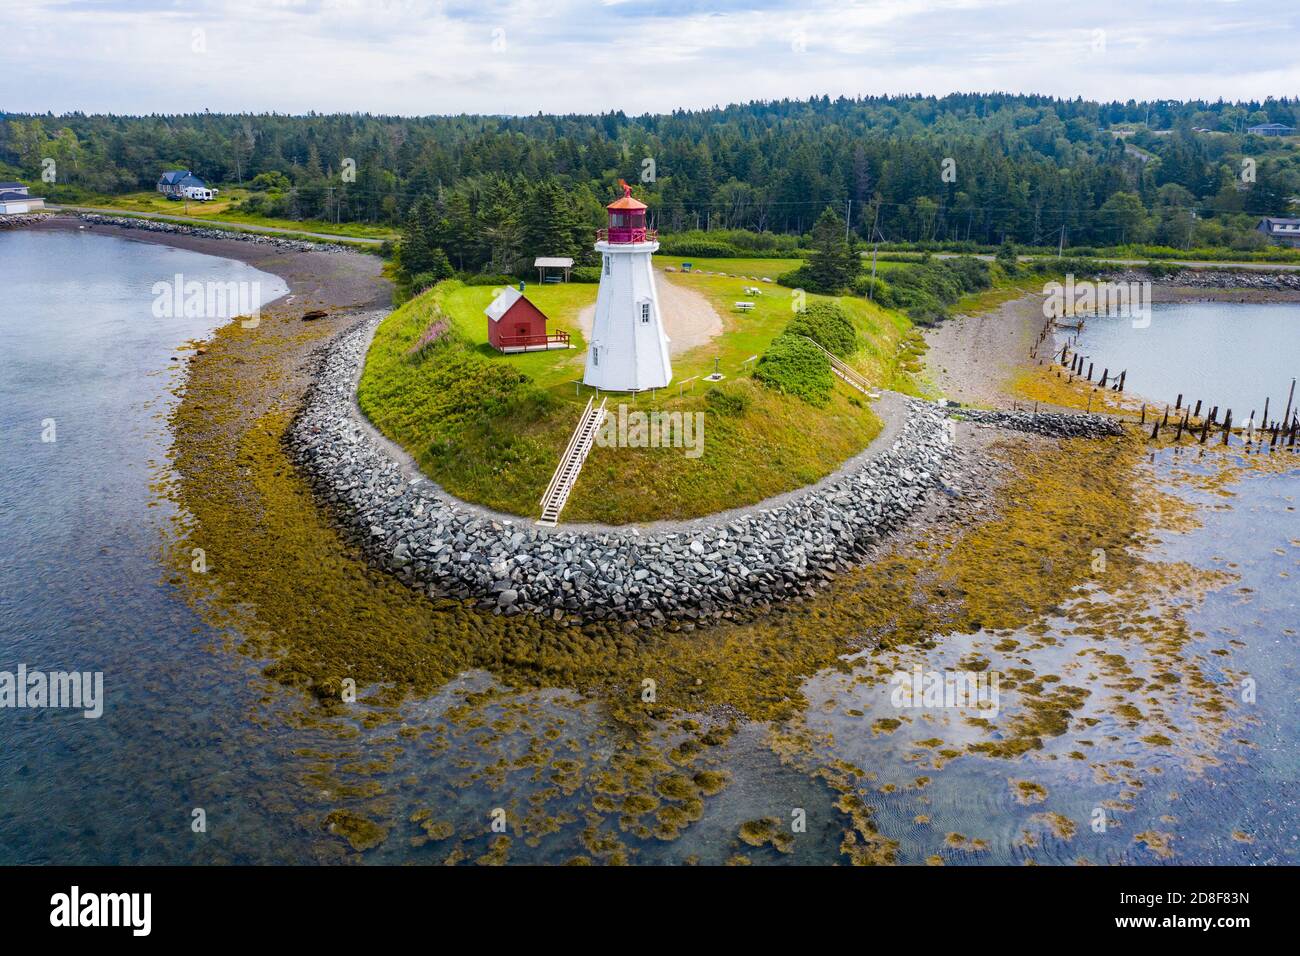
<point>1233,355</point>
<point>190,724</point>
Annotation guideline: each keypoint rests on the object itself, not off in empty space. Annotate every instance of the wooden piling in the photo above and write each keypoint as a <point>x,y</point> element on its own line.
<point>1122,375</point>
<point>1227,426</point>
<point>1197,413</point>
<point>1179,403</point>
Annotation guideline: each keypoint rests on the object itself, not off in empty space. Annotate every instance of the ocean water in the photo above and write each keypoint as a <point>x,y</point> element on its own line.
<point>1230,354</point>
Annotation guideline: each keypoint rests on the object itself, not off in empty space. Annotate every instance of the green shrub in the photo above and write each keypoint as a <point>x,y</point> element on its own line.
<point>877,290</point>
<point>699,248</point>
<point>584,274</point>
<point>727,401</point>
<point>794,279</point>
<point>828,325</point>
<point>485,279</point>
<point>794,366</point>
<point>728,244</point>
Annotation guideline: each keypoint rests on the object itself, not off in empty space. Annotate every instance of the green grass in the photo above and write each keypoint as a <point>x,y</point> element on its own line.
<point>490,428</point>
<point>748,334</point>
<point>221,210</point>
<point>771,268</point>
<point>464,305</point>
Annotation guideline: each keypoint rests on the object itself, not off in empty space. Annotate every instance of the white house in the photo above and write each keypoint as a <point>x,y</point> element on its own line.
<point>628,350</point>
<point>14,199</point>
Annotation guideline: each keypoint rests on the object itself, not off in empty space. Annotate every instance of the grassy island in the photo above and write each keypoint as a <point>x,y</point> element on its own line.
<point>490,428</point>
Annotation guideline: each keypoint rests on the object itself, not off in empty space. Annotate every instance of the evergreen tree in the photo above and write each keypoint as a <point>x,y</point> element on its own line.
<point>833,262</point>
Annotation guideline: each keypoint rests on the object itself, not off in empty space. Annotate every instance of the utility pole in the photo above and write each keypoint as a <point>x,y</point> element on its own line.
<point>875,219</point>
<point>848,218</point>
<point>1060,248</point>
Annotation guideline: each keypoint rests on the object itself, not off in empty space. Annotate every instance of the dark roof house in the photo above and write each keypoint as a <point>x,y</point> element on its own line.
<point>174,182</point>
<point>1270,129</point>
<point>13,201</point>
<point>1283,231</point>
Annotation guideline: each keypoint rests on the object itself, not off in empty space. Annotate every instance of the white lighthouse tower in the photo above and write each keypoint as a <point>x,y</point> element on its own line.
<point>628,350</point>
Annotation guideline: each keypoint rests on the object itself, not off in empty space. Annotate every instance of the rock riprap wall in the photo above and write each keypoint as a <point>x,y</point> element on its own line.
<point>698,570</point>
<point>1050,424</point>
<point>203,232</point>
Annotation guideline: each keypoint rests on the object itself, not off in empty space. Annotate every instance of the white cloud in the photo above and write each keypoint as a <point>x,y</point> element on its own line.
<point>439,56</point>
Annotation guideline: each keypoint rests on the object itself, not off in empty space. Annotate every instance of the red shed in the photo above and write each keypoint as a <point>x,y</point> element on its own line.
<point>516,325</point>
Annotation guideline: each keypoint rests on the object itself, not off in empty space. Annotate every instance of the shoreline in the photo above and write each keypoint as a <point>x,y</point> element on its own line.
<point>710,567</point>
<point>974,358</point>
<point>705,568</point>
<point>340,282</point>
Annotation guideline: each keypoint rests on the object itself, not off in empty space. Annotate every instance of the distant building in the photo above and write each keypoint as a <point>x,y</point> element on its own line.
<point>516,325</point>
<point>1286,232</point>
<point>15,199</point>
<point>1270,129</point>
<point>183,184</point>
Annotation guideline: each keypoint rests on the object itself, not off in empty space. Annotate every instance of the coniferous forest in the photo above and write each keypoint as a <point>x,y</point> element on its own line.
<point>481,193</point>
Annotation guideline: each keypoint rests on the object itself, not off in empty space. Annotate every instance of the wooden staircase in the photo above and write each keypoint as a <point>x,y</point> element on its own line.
<point>566,472</point>
<point>845,372</point>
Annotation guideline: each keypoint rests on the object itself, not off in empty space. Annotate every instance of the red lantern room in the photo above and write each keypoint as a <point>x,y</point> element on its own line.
<point>626,220</point>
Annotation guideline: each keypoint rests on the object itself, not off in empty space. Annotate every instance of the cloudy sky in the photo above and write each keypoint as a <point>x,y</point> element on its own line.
<point>523,56</point>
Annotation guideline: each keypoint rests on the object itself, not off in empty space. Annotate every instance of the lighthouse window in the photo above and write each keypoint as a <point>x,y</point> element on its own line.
<point>645,311</point>
<point>595,356</point>
<point>607,265</point>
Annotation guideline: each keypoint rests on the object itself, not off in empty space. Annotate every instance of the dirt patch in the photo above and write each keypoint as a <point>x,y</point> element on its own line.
<point>972,358</point>
<point>689,319</point>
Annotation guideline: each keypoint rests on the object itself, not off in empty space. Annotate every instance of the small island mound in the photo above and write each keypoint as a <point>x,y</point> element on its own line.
<point>490,427</point>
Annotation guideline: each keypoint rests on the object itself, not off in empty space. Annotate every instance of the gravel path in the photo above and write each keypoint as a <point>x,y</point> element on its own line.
<point>689,319</point>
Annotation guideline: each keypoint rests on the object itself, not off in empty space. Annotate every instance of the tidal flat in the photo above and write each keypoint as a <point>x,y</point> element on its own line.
<point>1137,603</point>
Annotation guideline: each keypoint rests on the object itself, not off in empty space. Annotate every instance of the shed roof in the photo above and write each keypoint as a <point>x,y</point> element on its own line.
<point>503,303</point>
<point>552,262</point>
<point>11,196</point>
